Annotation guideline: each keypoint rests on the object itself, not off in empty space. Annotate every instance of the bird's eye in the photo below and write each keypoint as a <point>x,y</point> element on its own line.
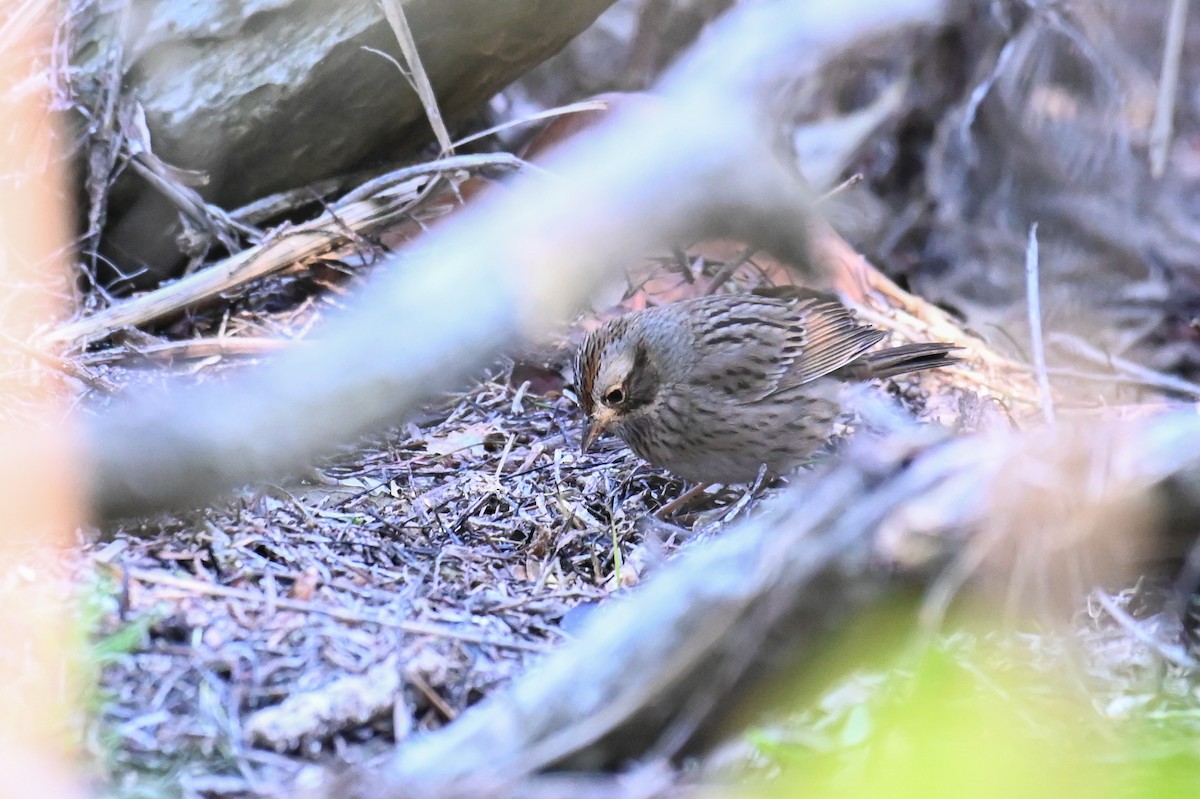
<point>615,396</point>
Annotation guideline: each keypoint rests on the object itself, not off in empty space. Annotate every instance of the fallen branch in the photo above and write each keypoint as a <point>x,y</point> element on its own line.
<point>359,213</point>
<point>188,349</point>
<point>315,715</point>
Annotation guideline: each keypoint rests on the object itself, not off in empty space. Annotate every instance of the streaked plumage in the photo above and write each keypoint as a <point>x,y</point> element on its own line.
<point>714,387</point>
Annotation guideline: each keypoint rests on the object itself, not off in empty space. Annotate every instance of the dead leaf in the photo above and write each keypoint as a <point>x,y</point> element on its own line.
<point>472,439</point>
<point>542,379</point>
<point>305,585</point>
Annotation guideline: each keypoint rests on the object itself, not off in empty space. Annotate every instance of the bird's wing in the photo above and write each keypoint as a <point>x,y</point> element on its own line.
<point>751,347</point>
<point>830,338</point>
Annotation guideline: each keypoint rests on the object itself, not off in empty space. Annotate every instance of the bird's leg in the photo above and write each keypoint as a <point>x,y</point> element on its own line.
<point>681,501</point>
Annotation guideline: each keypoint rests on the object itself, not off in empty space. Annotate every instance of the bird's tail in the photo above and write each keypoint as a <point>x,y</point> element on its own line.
<point>899,360</point>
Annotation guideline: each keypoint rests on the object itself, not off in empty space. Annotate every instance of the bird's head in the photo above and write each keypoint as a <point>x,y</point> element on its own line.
<point>616,380</point>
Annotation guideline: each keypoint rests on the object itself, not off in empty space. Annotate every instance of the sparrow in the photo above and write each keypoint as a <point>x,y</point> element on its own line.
<point>714,388</point>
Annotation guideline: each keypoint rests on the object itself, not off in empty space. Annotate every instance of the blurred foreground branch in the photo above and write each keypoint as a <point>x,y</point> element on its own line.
<point>702,161</point>
<point>665,670</point>
<point>40,500</point>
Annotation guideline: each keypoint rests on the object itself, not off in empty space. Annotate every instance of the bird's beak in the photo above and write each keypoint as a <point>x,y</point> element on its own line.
<point>591,431</point>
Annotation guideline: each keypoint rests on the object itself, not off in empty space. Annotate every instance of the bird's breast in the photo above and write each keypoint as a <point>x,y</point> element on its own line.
<point>727,443</point>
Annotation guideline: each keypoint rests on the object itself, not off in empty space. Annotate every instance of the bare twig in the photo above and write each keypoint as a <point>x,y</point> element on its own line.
<point>415,628</point>
<point>211,219</point>
<point>549,113</point>
<point>281,202</point>
<point>282,249</point>
<point>1172,654</point>
<point>848,183</point>
<point>360,210</point>
<point>726,271</point>
<point>236,346</point>
<point>64,365</point>
<point>1135,372</point>
<point>393,10</point>
<point>1033,303</point>
<point>1168,85</point>
<point>382,185</point>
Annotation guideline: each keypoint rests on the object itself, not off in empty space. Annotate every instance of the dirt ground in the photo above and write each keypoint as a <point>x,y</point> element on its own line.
<point>437,561</point>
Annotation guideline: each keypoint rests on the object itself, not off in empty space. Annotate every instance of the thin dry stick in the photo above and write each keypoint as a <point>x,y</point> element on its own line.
<point>379,186</point>
<point>1134,371</point>
<point>282,250</point>
<point>726,271</point>
<point>433,696</point>
<point>190,349</point>
<point>210,218</point>
<point>274,205</point>
<point>1034,304</point>
<point>64,365</point>
<point>341,614</point>
<point>848,183</point>
<point>1168,83</point>
<point>1173,654</point>
<point>550,113</point>
<point>394,12</point>
<point>361,209</point>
